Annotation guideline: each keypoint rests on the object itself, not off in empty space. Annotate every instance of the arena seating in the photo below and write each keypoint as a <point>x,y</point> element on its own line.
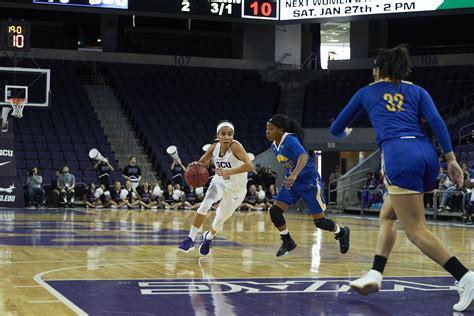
<point>63,133</point>
<point>448,85</point>
<point>182,106</point>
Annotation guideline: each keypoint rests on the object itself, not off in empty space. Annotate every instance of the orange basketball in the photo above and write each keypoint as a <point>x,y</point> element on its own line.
<point>196,175</point>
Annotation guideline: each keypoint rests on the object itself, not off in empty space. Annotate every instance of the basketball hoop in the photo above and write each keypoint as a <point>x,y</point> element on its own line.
<point>17,104</point>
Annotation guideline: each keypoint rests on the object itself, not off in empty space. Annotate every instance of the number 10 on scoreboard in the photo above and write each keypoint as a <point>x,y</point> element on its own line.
<point>260,9</point>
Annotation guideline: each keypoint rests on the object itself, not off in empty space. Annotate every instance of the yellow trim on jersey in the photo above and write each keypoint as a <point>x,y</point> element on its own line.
<point>394,190</point>
<point>318,196</point>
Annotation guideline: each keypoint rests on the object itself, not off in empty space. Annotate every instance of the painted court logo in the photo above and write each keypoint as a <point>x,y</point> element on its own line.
<point>9,197</point>
<point>259,296</point>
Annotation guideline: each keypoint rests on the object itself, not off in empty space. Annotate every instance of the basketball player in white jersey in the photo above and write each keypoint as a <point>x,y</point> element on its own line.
<point>229,186</point>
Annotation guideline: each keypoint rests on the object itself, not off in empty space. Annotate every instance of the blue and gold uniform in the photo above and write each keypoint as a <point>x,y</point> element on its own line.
<point>307,184</point>
<point>410,162</point>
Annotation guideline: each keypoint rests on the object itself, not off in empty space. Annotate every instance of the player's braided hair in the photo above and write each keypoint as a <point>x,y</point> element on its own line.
<point>394,63</point>
<point>289,126</point>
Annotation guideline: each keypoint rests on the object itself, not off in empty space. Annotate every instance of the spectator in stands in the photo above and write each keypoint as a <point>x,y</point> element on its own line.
<point>269,177</point>
<point>250,202</point>
<point>465,171</point>
<point>368,185</point>
<point>36,195</point>
<point>261,198</point>
<point>116,199</point>
<point>132,172</point>
<point>91,199</point>
<point>271,194</point>
<point>448,188</point>
<point>169,201</point>
<point>178,170</point>
<point>104,169</point>
<point>53,194</point>
<point>193,200</point>
<point>333,184</point>
<point>146,197</point>
<point>66,185</point>
<point>251,177</point>
<point>131,195</point>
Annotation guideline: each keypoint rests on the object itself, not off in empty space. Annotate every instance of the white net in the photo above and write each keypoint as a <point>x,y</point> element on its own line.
<point>17,104</point>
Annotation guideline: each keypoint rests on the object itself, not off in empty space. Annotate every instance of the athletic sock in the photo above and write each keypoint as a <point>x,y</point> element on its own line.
<point>379,263</point>
<point>456,268</point>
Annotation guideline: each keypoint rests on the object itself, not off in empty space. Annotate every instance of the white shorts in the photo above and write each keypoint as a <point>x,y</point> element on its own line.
<point>229,200</point>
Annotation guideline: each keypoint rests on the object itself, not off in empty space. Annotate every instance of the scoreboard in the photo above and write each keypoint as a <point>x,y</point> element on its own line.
<point>279,10</point>
<point>15,35</point>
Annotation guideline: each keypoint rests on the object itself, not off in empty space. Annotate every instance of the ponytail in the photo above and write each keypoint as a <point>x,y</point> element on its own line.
<point>289,126</point>
<point>394,63</point>
<point>295,128</point>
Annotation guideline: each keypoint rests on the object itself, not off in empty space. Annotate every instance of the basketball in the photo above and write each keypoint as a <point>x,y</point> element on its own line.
<point>196,175</point>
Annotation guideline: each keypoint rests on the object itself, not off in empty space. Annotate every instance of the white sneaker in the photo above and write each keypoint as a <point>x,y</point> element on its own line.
<point>466,292</point>
<point>369,283</point>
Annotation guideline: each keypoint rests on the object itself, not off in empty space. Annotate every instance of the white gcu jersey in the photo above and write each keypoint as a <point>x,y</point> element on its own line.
<point>236,182</point>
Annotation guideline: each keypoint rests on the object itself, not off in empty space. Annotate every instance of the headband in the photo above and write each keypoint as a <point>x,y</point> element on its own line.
<point>225,124</point>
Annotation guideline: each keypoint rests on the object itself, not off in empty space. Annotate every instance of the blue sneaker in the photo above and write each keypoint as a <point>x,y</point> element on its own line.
<point>206,245</point>
<point>186,245</point>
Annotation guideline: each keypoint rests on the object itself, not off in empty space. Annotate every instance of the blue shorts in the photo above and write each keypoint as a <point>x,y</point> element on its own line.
<point>410,165</point>
<point>309,189</point>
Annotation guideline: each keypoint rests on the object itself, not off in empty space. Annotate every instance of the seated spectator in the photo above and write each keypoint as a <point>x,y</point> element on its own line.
<point>271,194</point>
<point>36,195</point>
<point>370,184</point>
<point>447,187</point>
<point>261,198</point>
<point>131,195</point>
<point>91,198</point>
<point>193,200</point>
<point>132,172</point>
<point>104,170</point>
<point>169,198</point>
<point>53,194</point>
<point>117,198</point>
<point>146,197</point>
<point>250,203</point>
<point>66,185</point>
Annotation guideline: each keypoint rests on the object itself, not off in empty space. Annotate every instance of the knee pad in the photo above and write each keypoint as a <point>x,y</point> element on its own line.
<point>325,224</point>
<point>276,214</point>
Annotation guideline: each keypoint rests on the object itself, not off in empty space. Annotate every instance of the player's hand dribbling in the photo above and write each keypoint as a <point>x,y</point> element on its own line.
<point>288,182</point>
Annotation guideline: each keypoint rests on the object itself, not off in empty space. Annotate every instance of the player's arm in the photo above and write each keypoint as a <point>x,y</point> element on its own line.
<point>431,114</point>
<point>240,153</point>
<point>206,158</point>
<point>348,115</point>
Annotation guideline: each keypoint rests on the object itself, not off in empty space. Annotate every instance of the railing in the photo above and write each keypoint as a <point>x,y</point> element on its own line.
<point>439,193</point>
<point>310,62</point>
<point>358,190</point>
<point>343,178</point>
<point>131,144</point>
<point>461,136</point>
<point>469,101</point>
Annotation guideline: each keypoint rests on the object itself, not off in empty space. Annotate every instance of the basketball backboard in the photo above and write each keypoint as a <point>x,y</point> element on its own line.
<point>32,84</point>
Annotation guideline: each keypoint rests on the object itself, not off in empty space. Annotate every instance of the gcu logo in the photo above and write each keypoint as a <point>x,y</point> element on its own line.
<point>6,152</point>
<point>223,164</point>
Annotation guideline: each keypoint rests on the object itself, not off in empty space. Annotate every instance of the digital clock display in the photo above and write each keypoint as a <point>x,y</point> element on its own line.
<point>15,35</point>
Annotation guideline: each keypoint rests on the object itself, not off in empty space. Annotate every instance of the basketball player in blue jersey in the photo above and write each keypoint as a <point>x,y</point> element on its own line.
<point>410,165</point>
<point>302,181</point>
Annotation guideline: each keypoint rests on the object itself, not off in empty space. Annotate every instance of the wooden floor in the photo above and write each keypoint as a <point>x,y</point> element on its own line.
<point>37,246</point>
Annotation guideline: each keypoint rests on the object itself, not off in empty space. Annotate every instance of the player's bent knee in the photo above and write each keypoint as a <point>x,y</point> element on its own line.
<point>218,224</point>
<point>325,224</point>
<point>276,215</point>
<point>205,206</point>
